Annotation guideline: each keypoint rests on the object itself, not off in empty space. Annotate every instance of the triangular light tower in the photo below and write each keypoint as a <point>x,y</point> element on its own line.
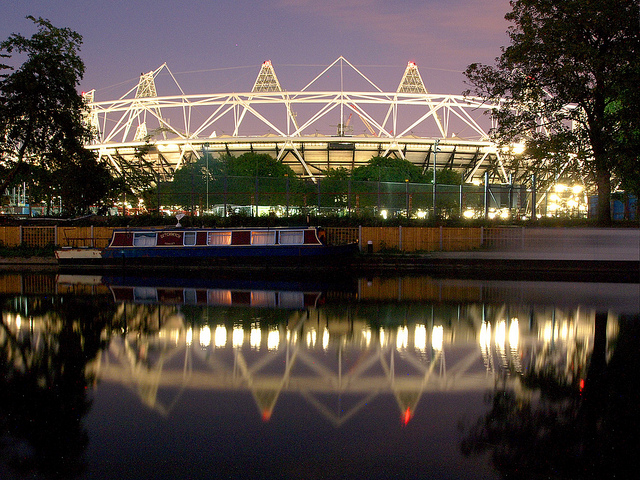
<point>411,80</point>
<point>267,80</point>
<point>146,86</point>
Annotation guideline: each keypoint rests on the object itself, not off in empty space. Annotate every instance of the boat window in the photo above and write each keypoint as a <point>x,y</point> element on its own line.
<point>292,237</point>
<point>219,238</point>
<point>145,239</point>
<point>263,238</point>
<point>190,296</point>
<point>189,238</point>
<point>260,298</point>
<point>291,300</point>
<point>145,294</point>
<point>219,297</point>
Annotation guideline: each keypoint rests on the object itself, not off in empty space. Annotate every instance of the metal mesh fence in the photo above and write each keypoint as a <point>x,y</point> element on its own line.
<point>284,196</point>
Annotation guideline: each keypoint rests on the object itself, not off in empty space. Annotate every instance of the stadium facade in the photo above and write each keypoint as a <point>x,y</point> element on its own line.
<point>311,130</point>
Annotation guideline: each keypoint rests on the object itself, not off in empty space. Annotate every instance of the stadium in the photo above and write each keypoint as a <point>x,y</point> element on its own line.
<point>311,130</point>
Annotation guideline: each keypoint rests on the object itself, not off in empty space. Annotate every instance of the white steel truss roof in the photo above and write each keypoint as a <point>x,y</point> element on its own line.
<point>299,127</point>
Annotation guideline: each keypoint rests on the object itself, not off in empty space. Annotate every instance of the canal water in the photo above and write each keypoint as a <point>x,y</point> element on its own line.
<point>136,377</point>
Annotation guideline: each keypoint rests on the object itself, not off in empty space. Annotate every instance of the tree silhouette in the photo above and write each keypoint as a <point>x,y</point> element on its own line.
<point>575,429</point>
<point>43,387</point>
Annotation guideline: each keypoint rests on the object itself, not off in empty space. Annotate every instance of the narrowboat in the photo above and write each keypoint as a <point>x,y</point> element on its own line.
<point>280,246</point>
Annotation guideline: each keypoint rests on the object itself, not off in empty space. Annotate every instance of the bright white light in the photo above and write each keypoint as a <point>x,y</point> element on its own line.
<point>254,338</point>
<point>367,337</point>
<point>547,333</point>
<point>384,214</point>
<point>514,333</point>
<point>421,214</point>
<point>518,148</point>
<point>572,203</point>
<point>476,181</point>
<point>437,337</point>
<point>560,188</point>
<point>577,189</point>
<point>420,339</point>
<point>237,337</point>
<point>311,338</point>
<point>382,338</point>
<point>504,213</point>
<point>492,215</point>
<point>325,339</point>
<point>18,321</point>
<point>468,214</point>
<point>273,340</point>
<point>485,334</point>
<point>220,336</point>
<point>189,336</point>
<point>402,338</point>
<point>205,336</point>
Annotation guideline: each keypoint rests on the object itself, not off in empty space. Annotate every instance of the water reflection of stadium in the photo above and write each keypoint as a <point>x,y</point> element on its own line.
<point>404,337</point>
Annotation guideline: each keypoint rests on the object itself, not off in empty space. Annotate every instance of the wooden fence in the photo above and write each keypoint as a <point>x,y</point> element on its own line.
<point>370,239</point>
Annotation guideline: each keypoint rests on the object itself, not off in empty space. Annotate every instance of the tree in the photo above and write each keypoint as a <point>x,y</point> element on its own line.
<point>567,63</point>
<point>42,114</point>
<point>229,179</point>
<point>388,169</point>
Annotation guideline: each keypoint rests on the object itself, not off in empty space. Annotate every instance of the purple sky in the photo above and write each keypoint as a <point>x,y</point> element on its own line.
<point>218,45</point>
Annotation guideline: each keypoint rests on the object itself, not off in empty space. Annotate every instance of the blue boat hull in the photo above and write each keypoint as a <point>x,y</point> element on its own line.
<point>269,255</point>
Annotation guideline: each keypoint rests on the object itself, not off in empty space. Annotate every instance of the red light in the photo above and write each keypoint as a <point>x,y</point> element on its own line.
<point>581,384</point>
<point>266,415</point>
<point>407,416</point>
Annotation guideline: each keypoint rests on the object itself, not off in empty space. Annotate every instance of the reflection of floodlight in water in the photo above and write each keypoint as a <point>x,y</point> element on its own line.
<point>179,217</point>
<point>220,336</point>
<point>437,337</point>
<point>514,333</point>
<point>237,336</point>
<point>205,336</point>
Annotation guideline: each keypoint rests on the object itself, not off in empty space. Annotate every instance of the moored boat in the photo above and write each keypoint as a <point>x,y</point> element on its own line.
<point>280,246</point>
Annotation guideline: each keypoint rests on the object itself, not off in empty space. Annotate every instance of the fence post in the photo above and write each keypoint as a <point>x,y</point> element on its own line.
<point>21,237</point>
<point>360,237</point>
<point>55,234</point>
<point>400,237</point>
<point>93,241</point>
<point>486,195</point>
<point>441,239</point>
<point>481,236</point>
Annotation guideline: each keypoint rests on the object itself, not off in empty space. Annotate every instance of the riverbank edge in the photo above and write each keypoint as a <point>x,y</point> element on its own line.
<point>455,263</point>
